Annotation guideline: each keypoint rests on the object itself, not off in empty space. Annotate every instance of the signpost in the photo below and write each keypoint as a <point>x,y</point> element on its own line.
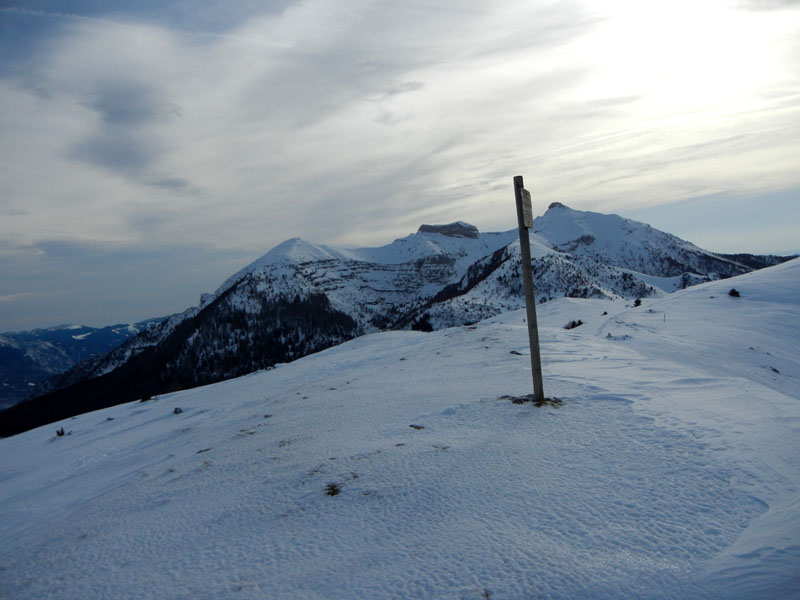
<point>525,220</point>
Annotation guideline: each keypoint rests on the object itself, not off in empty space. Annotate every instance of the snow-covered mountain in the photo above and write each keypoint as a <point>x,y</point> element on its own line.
<point>296,299</point>
<point>581,254</point>
<point>302,297</point>
<point>629,244</point>
<point>396,466</point>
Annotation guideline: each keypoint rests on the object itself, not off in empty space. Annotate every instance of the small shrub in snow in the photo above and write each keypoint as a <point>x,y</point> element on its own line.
<point>178,410</point>
<point>554,402</point>
<point>573,324</point>
<point>637,302</point>
<point>333,489</point>
<point>423,324</point>
<point>60,432</point>
<point>734,293</point>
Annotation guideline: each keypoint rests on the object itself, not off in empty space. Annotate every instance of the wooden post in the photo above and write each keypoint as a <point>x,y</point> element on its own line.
<point>525,220</point>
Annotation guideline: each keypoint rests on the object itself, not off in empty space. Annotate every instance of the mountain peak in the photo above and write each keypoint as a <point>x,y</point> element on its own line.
<point>457,229</point>
<point>557,205</point>
<point>298,250</point>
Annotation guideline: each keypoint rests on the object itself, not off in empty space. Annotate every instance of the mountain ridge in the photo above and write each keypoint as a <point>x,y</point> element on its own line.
<point>440,276</point>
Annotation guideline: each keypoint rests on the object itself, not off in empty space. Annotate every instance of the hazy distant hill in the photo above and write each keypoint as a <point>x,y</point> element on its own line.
<point>29,357</point>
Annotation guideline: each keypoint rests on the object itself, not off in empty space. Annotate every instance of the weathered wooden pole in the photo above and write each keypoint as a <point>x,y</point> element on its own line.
<point>525,220</point>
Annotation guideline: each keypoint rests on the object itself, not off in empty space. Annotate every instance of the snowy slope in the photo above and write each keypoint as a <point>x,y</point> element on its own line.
<point>670,471</point>
<point>556,275</point>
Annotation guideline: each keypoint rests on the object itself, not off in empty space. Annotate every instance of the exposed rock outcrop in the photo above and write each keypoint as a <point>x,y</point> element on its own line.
<point>457,229</point>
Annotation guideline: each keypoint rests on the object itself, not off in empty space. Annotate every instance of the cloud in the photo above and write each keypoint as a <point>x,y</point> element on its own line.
<point>188,15</point>
<point>116,149</point>
<point>404,88</point>
<point>757,5</point>
<point>175,184</point>
<point>16,297</point>
<point>123,103</point>
<point>113,72</point>
<point>237,125</point>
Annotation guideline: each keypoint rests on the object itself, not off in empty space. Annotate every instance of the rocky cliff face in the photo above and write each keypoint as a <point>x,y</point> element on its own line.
<point>457,229</point>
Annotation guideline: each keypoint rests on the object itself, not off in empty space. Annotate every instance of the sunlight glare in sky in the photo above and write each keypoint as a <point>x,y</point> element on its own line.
<point>687,56</point>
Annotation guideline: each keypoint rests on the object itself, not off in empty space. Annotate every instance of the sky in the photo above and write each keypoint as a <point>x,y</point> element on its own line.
<point>149,150</point>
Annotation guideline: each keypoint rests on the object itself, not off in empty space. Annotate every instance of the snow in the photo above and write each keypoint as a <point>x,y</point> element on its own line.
<point>404,250</point>
<point>670,471</point>
<point>297,250</point>
<point>562,225</point>
<point>424,244</point>
<point>617,240</point>
<point>665,284</point>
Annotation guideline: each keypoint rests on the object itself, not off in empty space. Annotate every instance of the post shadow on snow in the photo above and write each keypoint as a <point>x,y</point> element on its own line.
<point>554,402</point>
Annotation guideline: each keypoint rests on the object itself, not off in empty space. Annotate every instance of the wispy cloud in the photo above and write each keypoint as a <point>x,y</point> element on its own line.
<point>16,297</point>
<point>404,88</point>
<point>768,4</point>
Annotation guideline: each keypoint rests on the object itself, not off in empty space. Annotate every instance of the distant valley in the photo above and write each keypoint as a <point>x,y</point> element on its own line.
<point>29,357</point>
